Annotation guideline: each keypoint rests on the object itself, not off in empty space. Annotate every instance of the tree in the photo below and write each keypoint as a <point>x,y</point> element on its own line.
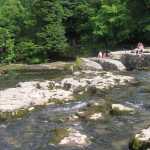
<point>50,32</point>
<point>110,23</point>
<point>32,30</point>
<point>11,15</point>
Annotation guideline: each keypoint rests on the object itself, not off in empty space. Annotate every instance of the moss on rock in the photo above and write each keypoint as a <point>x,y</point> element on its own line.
<point>58,135</point>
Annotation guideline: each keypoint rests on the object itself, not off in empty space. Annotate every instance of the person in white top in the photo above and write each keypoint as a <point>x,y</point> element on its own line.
<point>100,55</point>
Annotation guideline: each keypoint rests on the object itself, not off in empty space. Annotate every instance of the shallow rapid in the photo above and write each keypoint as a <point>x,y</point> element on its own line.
<point>37,129</point>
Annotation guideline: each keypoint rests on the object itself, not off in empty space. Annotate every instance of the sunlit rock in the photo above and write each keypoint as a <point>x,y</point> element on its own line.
<point>110,64</point>
<point>36,84</point>
<point>27,94</point>
<point>73,117</point>
<point>92,111</point>
<point>90,72</point>
<point>31,108</point>
<point>60,94</point>
<point>110,80</point>
<point>119,109</point>
<point>87,64</point>
<point>95,116</point>
<point>141,141</point>
<point>75,138</point>
<point>77,73</point>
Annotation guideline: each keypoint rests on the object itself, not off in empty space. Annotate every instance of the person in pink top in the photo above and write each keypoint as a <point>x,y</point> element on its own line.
<point>140,48</point>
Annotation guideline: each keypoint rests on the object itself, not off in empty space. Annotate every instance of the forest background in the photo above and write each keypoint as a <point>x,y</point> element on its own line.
<point>38,31</point>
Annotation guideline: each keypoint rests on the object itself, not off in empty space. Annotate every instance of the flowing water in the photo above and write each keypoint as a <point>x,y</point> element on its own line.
<point>37,130</point>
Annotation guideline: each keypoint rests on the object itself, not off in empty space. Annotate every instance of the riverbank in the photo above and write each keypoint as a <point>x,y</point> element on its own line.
<point>48,66</point>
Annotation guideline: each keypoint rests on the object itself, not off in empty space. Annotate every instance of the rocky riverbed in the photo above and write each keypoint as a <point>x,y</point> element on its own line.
<point>84,109</point>
<point>35,93</point>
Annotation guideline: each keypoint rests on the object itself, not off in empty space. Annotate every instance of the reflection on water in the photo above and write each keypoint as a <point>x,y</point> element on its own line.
<point>38,130</point>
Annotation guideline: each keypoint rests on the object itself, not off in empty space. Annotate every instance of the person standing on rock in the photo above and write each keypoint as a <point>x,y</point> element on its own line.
<point>139,49</point>
<point>103,54</point>
<point>100,55</point>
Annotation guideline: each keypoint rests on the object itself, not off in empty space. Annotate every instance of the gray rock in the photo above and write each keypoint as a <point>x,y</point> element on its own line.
<point>133,61</point>
<point>72,85</point>
<point>110,64</point>
<point>141,141</point>
<point>88,64</point>
<point>120,109</point>
<point>77,73</point>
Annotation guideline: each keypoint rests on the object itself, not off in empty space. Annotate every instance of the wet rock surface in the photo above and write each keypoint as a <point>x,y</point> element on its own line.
<point>28,94</point>
<point>75,138</point>
<point>141,141</point>
<point>34,93</point>
<point>121,109</point>
<point>75,113</point>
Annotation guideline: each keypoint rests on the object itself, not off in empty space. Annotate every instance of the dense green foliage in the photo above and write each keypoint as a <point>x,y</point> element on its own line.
<point>33,31</point>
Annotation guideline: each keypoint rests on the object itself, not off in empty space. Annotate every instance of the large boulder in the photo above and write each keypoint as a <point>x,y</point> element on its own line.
<point>141,141</point>
<point>133,61</point>
<point>88,64</point>
<point>110,64</point>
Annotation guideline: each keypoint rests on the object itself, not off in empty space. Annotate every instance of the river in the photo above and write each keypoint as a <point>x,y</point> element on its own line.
<point>37,130</point>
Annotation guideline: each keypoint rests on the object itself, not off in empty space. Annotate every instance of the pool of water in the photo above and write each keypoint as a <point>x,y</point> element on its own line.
<point>35,131</point>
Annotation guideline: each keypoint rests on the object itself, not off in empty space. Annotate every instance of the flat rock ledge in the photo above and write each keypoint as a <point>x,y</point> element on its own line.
<point>141,141</point>
<point>121,109</point>
<point>104,80</point>
<point>28,94</point>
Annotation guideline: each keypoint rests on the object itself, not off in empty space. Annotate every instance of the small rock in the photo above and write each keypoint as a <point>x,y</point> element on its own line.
<point>96,116</point>
<point>119,108</point>
<point>77,73</point>
<point>72,85</point>
<point>75,138</point>
<point>31,108</point>
<point>81,114</point>
<point>73,118</point>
